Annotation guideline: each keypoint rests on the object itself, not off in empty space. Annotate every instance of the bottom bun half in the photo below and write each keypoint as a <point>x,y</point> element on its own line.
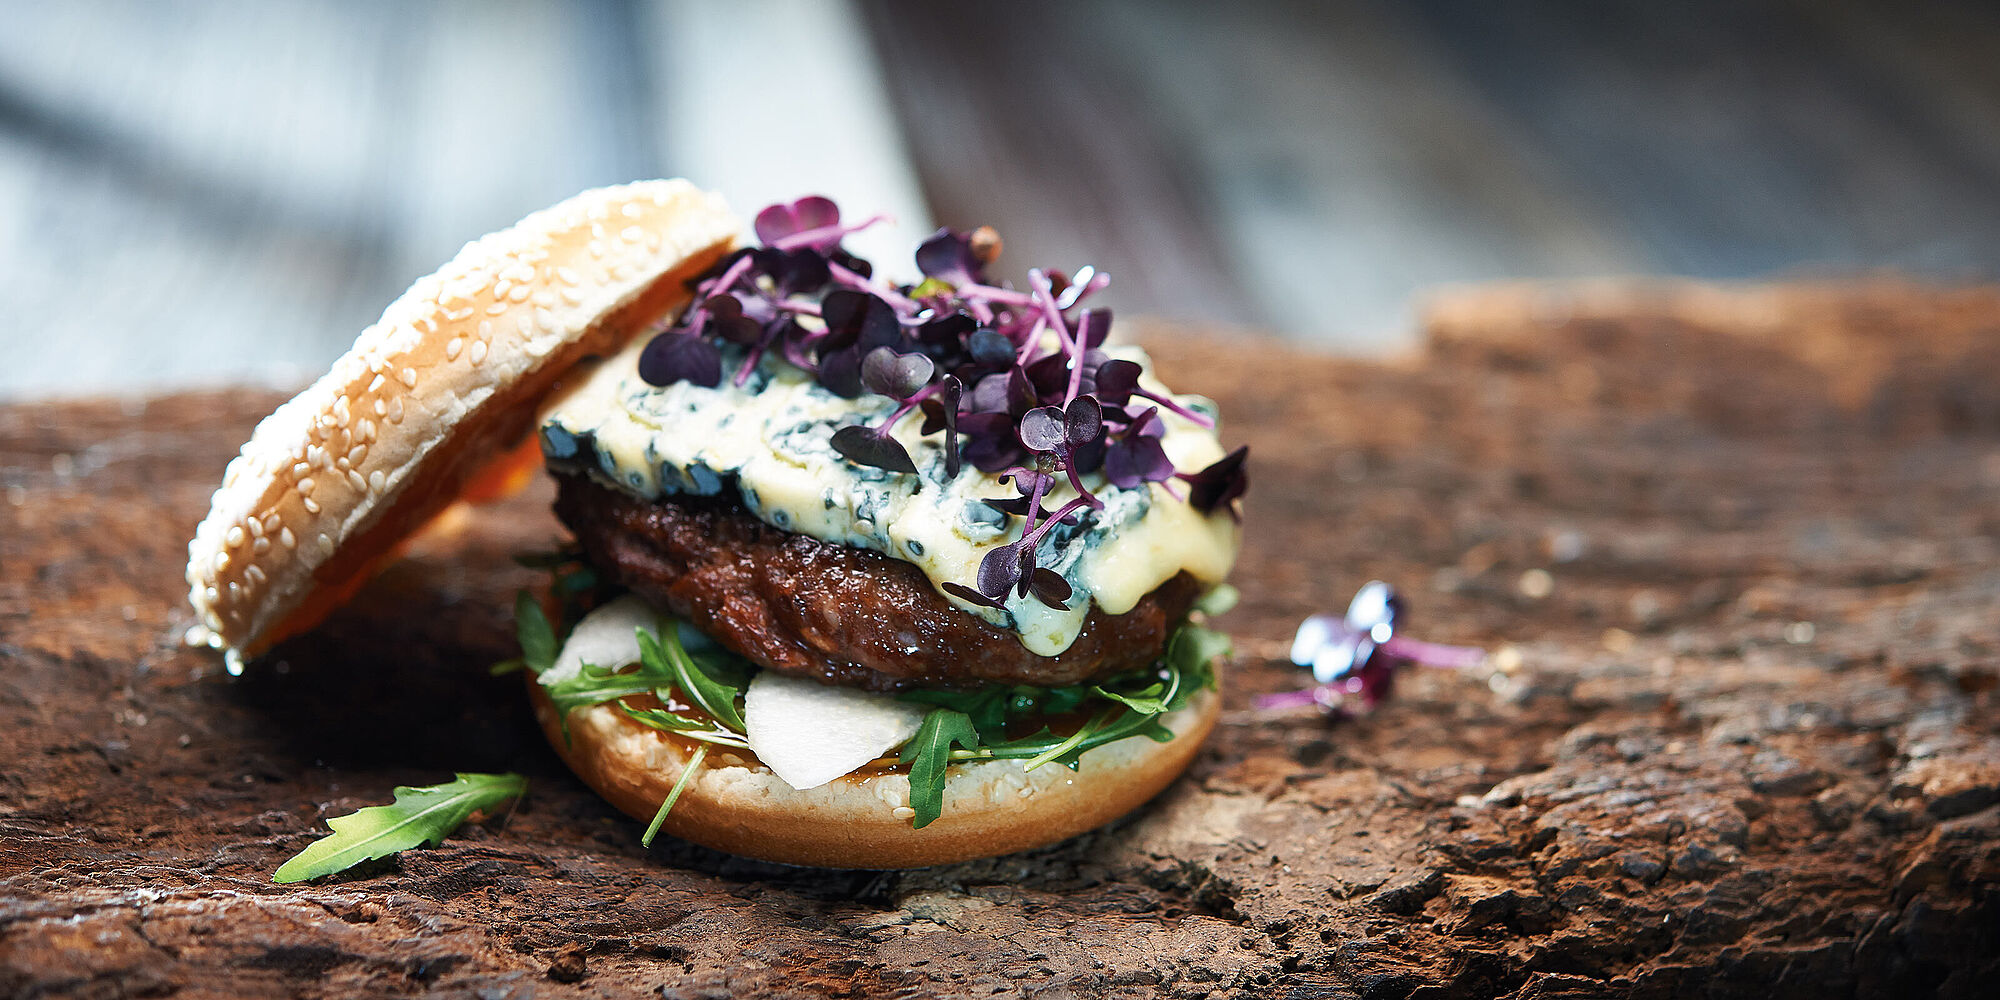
<point>737,805</point>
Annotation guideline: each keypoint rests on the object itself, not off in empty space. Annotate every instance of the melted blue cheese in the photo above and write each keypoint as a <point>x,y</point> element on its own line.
<point>768,442</point>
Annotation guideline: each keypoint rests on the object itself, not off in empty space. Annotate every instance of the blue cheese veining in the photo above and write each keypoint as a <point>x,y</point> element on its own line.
<point>767,442</point>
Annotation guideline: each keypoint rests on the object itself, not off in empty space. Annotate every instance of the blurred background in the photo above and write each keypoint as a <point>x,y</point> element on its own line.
<point>201,193</point>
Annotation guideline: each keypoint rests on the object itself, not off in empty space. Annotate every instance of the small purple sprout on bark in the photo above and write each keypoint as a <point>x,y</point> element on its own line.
<point>1354,658</point>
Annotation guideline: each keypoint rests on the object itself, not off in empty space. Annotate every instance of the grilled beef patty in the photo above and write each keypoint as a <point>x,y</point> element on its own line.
<point>844,615</point>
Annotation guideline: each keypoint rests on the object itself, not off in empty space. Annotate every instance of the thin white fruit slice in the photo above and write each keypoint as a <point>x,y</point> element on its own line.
<point>607,637</point>
<point>810,733</point>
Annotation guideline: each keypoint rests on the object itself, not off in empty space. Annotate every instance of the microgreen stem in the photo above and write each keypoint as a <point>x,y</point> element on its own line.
<point>1434,654</point>
<point>1097,721</point>
<point>1046,299</point>
<point>720,284</point>
<point>1198,419</point>
<point>687,771</point>
<point>882,429</point>
<point>750,360</point>
<point>1033,536</point>
<point>822,234</point>
<point>988,293</point>
<point>874,286</point>
<point>1076,483</point>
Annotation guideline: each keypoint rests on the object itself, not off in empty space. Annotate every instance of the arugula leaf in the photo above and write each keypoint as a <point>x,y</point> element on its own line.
<point>927,753</point>
<point>536,635</point>
<point>1191,652</point>
<point>417,817</point>
<point>1152,699</point>
<point>669,722</point>
<point>687,771</point>
<point>595,685</point>
<point>1218,600</point>
<point>986,707</point>
<point>709,694</point>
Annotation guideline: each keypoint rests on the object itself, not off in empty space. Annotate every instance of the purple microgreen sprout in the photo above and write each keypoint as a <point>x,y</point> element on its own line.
<point>1221,482</point>
<point>1354,658</point>
<point>1014,379</point>
<point>680,357</point>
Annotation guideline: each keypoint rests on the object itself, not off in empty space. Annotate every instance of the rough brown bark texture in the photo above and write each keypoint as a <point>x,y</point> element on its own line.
<point>1744,742</point>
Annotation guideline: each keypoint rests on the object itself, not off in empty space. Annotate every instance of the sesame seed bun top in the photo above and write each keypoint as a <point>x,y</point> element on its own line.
<point>444,384</point>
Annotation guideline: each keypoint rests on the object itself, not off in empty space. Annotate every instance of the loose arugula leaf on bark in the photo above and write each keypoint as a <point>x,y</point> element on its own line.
<point>417,817</point>
<point>927,753</point>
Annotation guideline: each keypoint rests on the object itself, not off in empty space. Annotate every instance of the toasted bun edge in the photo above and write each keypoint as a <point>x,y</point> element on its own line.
<point>863,821</point>
<point>449,378</point>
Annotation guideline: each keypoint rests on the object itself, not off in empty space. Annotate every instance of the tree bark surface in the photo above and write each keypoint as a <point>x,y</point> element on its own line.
<point>1736,553</point>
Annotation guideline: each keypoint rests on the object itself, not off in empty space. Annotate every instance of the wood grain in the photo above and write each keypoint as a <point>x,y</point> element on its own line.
<point>1742,745</point>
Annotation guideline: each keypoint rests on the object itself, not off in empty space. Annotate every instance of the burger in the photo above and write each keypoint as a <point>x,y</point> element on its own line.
<point>861,573</point>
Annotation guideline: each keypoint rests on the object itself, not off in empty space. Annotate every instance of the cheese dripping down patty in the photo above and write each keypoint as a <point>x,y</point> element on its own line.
<point>768,442</point>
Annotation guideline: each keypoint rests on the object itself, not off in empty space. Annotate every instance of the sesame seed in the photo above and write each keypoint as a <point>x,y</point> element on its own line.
<point>496,308</point>
<point>632,234</point>
<point>221,561</point>
<point>573,296</point>
<point>375,384</point>
<point>235,591</point>
<point>360,452</point>
<point>287,539</point>
<point>485,329</point>
<point>367,431</point>
<point>381,407</point>
<point>459,315</point>
<point>213,595</point>
<point>545,299</point>
<point>622,271</point>
<point>255,573</point>
<point>299,469</point>
<point>452,347</point>
<point>410,377</point>
<point>396,410</point>
<point>520,293</point>
<point>377,481</point>
<point>360,482</point>
<point>256,527</point>
<point>596,231</point>
<point>478,351</point>
<point>501,287</point>
<point>569,275</point>
<point>234,538</point>
<point>306,485</point>
<point>596,249</point>
<point>326,542</point>
<point>261,546</point>
<point>271,521</point>
<point>632,210</point>
<point>311,507</point>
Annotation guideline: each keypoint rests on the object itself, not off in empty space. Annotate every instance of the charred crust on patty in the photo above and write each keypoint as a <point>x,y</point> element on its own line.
<point>844,615</point>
